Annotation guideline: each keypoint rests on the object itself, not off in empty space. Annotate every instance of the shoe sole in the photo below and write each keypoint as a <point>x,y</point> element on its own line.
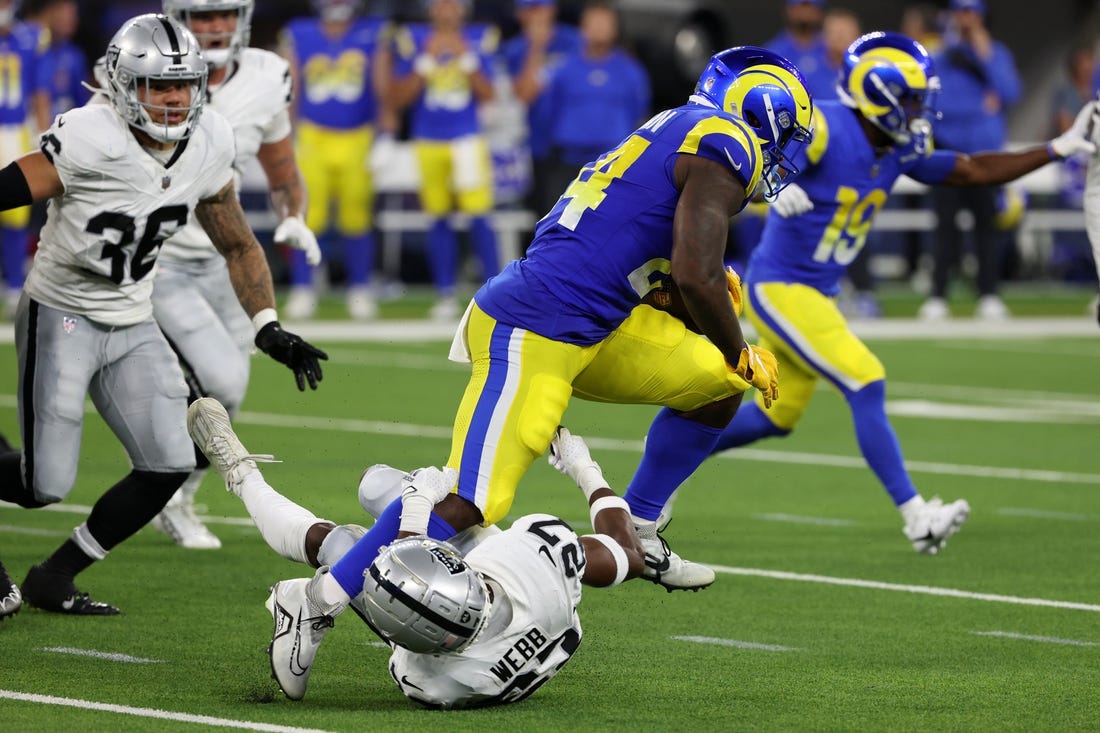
<point>269,604</point>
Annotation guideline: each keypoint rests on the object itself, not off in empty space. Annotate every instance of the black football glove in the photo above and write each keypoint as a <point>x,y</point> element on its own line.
<point>290,349</point>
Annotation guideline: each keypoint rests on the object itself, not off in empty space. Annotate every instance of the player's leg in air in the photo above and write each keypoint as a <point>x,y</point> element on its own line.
<point>811,340</point>
<point>652,358</point>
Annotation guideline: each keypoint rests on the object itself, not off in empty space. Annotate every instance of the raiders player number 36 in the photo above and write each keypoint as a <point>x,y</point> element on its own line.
<point>121,178</point>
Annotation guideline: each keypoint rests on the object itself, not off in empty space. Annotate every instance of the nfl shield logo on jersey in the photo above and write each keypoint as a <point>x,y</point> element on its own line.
<point>165,182</point>
<point>68,323</point>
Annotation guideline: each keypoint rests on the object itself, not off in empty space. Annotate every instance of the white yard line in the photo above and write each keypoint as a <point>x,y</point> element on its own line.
<point>798,519</point>
<point>1029,637</point>
<point>29,531</point>
<point>734,643</point>
<point>900,588</point>
<point>153,713</point>
<point>982,413</point>
<point>107,656</point>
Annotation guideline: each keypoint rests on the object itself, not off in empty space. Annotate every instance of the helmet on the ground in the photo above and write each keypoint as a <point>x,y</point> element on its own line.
<point>181,10</point>
<point>152,48</point>
<point>422,595</point>
<point>769,93</point>
<point>891,80</point>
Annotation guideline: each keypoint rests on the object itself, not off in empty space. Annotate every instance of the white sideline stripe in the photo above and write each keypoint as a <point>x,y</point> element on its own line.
<point>391,359</point>
<point>1029,637</point>
<point>1089,351</point>
<point>734,643</point>
<point>1043,514</point>
<point>999,394</point>
<point>897,587</point>
<point>797,519</point>
<point>109,656</point>
<point>946,411</point>
<point>30,531</point>
<point>84,509</point>
<point>153,713</point>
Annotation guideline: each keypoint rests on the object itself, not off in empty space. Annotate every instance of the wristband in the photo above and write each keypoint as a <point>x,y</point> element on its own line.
<point>416,510</point>
<point>591,478</point>
<point>1052,153</point>
<point>264,317</point>
<point>622,565</point>
<point>606,502</point>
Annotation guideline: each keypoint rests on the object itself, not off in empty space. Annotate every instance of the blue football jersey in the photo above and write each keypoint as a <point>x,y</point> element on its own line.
<point>336,89</point>
<point>608,240</point>
<point>21,71</point>
<point>848,182</point>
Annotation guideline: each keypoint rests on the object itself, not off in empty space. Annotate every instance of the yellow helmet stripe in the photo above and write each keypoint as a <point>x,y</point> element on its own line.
<point>909,67</point>
<point>768,74</point>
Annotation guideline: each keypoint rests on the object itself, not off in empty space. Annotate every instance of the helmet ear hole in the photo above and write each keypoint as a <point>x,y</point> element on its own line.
<point>750,117</point>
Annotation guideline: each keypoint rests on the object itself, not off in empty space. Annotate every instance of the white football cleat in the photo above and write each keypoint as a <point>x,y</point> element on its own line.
<point>178,520</point>
<point>933,523</point>
<point>11,598</point>
<point>209,426</point>
<point>445,309</point>
<point>665,568</point>
<point>934,309</point>
<point>992,308</point>
<point>301,622</point>
<point>361,304</point>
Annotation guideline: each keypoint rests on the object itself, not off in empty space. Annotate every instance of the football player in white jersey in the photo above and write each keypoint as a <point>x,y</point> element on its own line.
<point>485,619</point>
<point>121,178</point>
<point>193,300</point>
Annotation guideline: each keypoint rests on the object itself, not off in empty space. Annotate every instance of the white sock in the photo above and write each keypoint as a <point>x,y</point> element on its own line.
<point>331,592</point>
<point>647,528</point>
<point>910,510</point>
<point>282,523</point>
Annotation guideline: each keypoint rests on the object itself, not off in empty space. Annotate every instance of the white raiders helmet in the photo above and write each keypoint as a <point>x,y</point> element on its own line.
<point>181,10</point>
<point>420,594</point>
<point>148,48</point>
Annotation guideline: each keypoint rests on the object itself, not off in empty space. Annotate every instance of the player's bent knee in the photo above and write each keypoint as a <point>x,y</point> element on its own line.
<point>326,543</point>
<point>378,487</point>
<point>717,414</point>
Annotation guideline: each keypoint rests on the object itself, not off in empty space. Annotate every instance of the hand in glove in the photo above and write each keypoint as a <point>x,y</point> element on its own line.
<point>757,367</point>
<point>733,284</point>
<point>792,201</point>
<point>569,454</point>
<point>293,232</point>
<point>290,349</point>
<point>1079,137</point>
<point>421,490</point>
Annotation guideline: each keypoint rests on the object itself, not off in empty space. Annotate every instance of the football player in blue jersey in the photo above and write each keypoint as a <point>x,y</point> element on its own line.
<point>567,318</point>
<point>878,131</point>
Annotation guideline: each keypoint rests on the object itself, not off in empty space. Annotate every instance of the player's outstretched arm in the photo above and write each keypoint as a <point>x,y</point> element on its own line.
<point>26,180</point>
<point>990,169</point>
<point>614,553</point>
<point>224,221</point>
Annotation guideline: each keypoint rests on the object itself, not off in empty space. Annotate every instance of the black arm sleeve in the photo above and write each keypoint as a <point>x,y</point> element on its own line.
<point>14,191</point>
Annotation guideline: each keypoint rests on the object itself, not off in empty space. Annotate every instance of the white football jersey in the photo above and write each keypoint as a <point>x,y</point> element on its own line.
<point>532,632</point>
<point>98,250</point>
<point>254,99</point>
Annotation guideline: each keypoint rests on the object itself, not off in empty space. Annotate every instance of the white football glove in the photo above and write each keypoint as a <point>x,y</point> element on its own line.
<point>293,232</point>
<point>569,454</point>
<point>421,490</point>
<point>792,201</point>
<point>1079,138</point>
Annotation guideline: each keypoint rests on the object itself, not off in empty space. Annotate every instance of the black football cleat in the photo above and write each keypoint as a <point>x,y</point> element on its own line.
<point>57,593</point>
<point>11,599</point>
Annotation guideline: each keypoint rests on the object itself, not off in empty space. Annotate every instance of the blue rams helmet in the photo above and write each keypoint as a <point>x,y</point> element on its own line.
<point>769,93</point>
<point>891,80</point>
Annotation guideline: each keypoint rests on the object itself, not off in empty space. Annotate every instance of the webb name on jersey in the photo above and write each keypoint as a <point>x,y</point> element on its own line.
<point>98,250</point>
<point>534,629</point>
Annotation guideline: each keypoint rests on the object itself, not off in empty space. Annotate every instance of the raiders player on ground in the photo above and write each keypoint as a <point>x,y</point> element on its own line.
<point>193,300</point>
<point>485,619</point>
<point>121,178</point>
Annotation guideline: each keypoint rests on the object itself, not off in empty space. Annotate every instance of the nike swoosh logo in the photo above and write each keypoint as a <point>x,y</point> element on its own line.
<point>736,166</point>
<point>60,121</point>
<point>296,667</point>
<point>405,683</point>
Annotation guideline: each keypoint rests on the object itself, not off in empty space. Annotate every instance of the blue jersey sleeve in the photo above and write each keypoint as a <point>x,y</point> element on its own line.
<point>729,142</point>
<point>935,167</point>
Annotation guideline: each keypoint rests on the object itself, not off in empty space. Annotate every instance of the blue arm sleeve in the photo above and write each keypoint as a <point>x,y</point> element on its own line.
<point>1003,75</point>
<point>935,168</point>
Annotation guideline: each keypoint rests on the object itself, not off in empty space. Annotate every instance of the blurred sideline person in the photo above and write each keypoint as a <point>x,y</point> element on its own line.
<point>878,131</point>
<point>801,42</point>
<point>570,317</point>
<point>122,177</point>
<point>66,65</point>
<point>532,57</point>
<point>442,73</point>
<point>193,299</point>
<point>24,96</point>
<point>596,96</point>
<point>980,83</point>
<point>1092,199</point>
<point>333,62</point>
<point>483,621</point>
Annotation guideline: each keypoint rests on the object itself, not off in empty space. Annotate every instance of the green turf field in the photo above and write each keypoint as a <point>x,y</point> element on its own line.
<point>822,618</point>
